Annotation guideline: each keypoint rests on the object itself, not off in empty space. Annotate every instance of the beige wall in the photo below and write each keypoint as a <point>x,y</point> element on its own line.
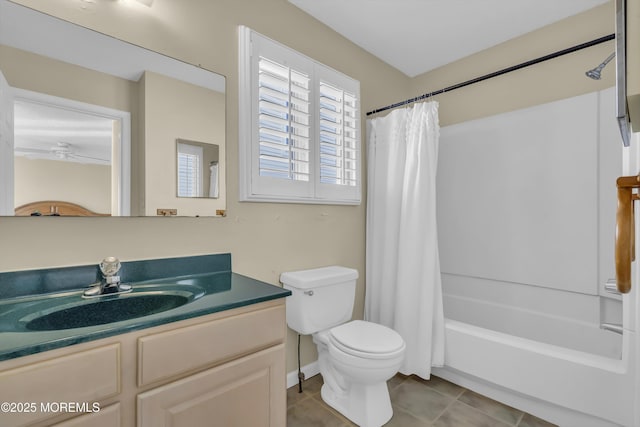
<point>37,73</point>
<point>88,185</point>
<point>267,239</point>
<point>175,109</point>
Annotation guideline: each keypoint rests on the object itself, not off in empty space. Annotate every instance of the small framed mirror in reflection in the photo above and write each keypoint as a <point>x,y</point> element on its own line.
<point>197,166</point>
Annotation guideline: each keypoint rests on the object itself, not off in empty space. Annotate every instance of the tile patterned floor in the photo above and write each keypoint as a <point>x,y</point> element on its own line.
<point>416,403</point>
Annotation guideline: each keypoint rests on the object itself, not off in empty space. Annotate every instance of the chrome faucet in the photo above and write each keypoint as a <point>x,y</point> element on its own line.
<point>110,283</point>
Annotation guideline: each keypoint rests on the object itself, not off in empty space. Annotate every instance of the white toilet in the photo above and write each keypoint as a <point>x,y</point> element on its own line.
<point>356,358</point>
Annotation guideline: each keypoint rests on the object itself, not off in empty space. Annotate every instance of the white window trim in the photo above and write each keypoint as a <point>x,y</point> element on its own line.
<point>318,193</point>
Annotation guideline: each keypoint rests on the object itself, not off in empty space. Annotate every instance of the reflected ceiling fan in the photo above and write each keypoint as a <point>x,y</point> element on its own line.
<point>60,151</point>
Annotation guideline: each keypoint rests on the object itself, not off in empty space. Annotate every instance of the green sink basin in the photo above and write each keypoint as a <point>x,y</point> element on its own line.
<point>124,307</point>
<point>73,311</point>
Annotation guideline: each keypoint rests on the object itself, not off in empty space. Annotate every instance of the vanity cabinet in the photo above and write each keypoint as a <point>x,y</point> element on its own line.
<point>240,391</point>
<point>225,368</point>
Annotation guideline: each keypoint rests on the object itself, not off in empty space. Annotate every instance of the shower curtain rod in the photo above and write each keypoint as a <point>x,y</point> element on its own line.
<point>498,73</point>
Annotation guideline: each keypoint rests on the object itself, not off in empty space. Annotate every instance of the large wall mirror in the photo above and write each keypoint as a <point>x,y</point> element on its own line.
<point>94,126</point>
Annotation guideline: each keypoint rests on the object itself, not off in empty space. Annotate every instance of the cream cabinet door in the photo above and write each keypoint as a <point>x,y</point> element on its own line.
<point>106,417</point>
<point>83,377</point>
<point>249,391</point>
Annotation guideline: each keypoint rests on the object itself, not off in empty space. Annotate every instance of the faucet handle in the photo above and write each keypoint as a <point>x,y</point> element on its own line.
<point>111,283</point>
<point>110,267</point>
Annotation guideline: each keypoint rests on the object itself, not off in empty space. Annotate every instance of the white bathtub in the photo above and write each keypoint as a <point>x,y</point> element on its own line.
<point>545,320</point>
<point>562,385</point>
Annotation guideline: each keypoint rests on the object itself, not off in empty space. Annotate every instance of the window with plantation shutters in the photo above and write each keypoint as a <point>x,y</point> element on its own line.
<point>190,171</point>
<point>299,127</point>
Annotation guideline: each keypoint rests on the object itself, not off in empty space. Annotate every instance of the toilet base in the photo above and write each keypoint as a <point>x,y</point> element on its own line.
<point>365,405</point>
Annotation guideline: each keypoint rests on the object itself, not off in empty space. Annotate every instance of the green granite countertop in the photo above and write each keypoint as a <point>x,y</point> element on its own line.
<point>209,293</point>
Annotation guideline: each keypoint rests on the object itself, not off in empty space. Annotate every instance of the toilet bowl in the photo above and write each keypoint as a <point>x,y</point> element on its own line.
<point>357,368</point>
<point>356,358</point>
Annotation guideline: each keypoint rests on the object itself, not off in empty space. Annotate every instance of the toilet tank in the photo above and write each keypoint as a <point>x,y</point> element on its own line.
<point>321,298</point>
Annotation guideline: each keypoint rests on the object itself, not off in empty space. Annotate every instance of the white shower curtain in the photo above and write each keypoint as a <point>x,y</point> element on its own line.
<point>404,289</point>
<point>213,180</point>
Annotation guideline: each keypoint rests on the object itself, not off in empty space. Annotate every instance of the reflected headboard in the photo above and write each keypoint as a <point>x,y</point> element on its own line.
<point>54,208</point>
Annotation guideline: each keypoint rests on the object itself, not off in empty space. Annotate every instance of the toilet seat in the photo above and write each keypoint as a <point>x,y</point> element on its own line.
<point>366,340</point>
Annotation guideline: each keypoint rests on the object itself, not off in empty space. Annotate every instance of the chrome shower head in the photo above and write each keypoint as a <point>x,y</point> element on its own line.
<point>596,73</point>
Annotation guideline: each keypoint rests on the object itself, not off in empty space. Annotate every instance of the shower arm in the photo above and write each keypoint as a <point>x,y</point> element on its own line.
<point>625,231</point>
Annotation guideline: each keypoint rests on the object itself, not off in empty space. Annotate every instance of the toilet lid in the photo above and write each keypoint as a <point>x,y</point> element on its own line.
<point>366,337</point>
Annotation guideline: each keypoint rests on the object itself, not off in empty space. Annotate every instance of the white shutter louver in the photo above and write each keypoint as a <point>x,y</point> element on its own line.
<point>338,147</point>
<point>283,122</point>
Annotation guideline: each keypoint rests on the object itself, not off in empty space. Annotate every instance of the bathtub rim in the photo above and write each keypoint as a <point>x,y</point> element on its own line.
<point>618,366</point>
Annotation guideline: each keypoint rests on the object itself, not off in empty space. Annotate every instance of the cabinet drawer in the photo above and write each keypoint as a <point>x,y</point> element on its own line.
<point>83,377</point>
<point>168,354</point>
<point>107,417</point>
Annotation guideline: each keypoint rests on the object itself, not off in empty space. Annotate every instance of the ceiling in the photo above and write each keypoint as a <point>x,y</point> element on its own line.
<point>416,36</point>
<point>52,133</point>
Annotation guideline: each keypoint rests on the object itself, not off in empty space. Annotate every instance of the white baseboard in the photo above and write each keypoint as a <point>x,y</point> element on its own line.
<point>308,370</point>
